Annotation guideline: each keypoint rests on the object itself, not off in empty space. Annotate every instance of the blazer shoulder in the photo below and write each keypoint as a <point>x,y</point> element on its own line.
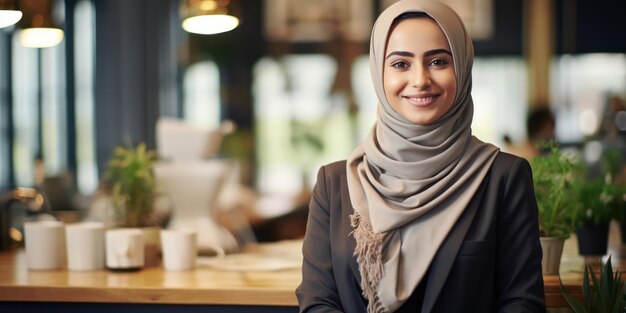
<point>510,173</point>
<point>335,169</point>
<point>505,163</point>
<point>330,176</point>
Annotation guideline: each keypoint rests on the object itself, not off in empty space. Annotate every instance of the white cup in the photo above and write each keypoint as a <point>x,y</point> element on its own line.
<point>124,249</point>
<point>45,245</point>
<point>85,246</point>
<point>179,248</point>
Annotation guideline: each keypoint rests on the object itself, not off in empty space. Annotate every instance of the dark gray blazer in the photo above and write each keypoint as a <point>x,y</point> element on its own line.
<point>490,261</point>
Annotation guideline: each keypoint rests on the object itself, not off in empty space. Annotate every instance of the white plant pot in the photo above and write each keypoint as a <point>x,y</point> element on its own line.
<point>552,250</point>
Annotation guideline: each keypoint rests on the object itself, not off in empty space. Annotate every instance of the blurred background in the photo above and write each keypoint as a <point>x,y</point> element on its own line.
<point>285,91</point>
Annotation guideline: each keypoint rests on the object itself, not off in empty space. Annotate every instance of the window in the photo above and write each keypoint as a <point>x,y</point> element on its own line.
<point>34,127</point>
<point>53,110</point>
<point>300,122</point>
<point>581,86</point>
<point>500,94</point>
<point>84,26</point>
<point>26,113</point>
<point>201,105</point>
<point>365,96</point>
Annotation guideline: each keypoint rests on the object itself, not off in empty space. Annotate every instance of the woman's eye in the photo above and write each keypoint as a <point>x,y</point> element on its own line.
<point>400,64</point>
<point>438,62</point>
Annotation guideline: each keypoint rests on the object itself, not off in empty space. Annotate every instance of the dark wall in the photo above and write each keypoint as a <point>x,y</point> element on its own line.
<point>6,115</point>
<point>590,26</point>
<point>508,36</point>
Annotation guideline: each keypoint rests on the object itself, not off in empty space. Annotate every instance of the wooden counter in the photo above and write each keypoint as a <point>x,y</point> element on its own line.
<point>208,285</point>
<point>214,284</point>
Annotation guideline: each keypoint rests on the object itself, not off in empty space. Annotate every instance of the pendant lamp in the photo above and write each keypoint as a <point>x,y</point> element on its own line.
<point>37,29</point>
<point>9,14</point>
<point>207,17</point>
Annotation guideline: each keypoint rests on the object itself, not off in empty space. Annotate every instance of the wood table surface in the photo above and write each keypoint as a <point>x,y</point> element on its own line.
<point>220,282</point>
<point>207,284</point>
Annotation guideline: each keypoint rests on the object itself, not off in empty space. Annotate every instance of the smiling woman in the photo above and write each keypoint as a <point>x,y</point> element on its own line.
<point>422,211</point>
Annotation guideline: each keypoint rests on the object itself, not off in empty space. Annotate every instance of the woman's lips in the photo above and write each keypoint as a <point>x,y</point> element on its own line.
<point>421,100</point>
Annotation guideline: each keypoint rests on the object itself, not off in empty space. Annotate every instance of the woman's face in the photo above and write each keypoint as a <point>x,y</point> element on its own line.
<point>418,74</point>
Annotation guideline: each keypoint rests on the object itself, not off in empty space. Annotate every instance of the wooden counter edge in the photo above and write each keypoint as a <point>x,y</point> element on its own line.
<point>553,296</point>
<point>261,297</point>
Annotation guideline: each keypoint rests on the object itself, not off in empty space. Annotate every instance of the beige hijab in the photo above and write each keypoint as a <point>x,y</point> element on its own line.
<point>410,183</point>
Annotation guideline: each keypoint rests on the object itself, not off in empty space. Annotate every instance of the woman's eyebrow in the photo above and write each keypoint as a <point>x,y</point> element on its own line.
<point>410,54</point>
<point>437,51</point>
<point>400,53</point>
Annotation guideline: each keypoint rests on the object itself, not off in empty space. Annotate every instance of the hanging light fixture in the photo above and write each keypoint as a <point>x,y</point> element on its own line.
<point>37,27</point>
<point>208,17</point>
<point>9,14</point>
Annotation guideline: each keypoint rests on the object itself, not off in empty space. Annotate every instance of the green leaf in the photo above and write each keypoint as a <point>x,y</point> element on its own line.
<point>552,177</point>
<point>130,172</point>
<point>606,295</point>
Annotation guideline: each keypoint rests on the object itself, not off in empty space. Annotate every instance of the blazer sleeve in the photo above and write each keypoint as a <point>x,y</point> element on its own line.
<point>317,291</point>
<point>519,278</point>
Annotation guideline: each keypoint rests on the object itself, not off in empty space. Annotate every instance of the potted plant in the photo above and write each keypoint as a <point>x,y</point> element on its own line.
<point>130,173</point>
<point>594,209</point>
<point>613,170</point>
<point>552,178</point>
<point>604,296</point>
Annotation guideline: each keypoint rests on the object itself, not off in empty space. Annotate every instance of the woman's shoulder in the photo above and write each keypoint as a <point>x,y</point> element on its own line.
<point>330,177</point>
<point>508,161</point>
<point>507,166</point>
<point>337,168</point>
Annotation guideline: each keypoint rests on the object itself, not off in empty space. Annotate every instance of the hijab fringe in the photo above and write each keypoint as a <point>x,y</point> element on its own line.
<point>368,252</point>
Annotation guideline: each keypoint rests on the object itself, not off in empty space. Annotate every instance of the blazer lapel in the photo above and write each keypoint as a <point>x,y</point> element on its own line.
<point>347,209</point>
<point>441,264</point>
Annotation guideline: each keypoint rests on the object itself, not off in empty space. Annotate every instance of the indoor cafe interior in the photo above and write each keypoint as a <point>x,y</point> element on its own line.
<point>200,125</point>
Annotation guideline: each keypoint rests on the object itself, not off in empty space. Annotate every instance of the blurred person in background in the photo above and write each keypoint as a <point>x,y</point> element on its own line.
<point>540,127</point>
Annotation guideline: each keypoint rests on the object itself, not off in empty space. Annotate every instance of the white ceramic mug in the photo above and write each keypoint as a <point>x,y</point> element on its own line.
<point>124,249</point>
<point>85,246</point>
<point>45,245</point>
<point>179,248</point>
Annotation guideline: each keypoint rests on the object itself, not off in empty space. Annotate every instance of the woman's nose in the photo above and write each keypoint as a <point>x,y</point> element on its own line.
<point>420,78</point>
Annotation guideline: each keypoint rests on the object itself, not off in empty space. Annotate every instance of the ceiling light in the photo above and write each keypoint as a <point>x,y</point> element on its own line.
<point>37,28</point>
<point>208,17</point>
<point>9,17</point>
<point>40,37</point>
